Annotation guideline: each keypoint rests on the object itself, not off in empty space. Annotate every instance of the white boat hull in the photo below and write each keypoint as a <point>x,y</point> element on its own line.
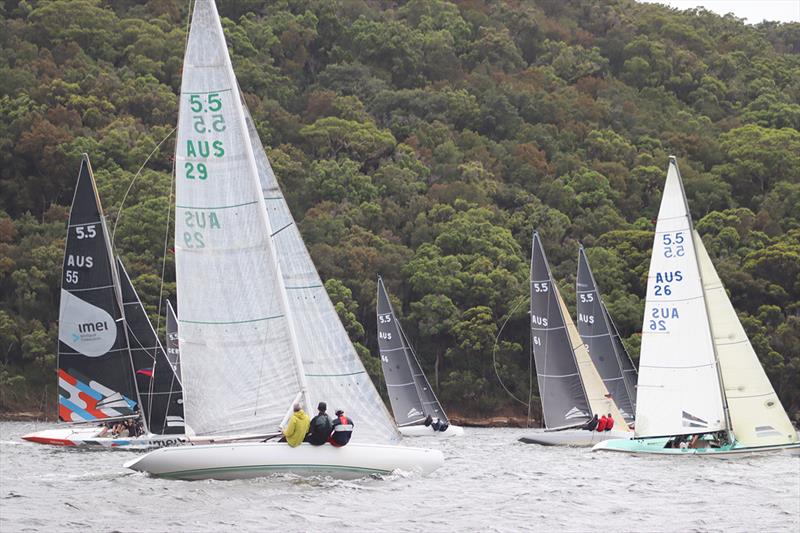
<point>256,459</point>
<point>87,438</point>
<point>573,437</point>
<point>427,431</point>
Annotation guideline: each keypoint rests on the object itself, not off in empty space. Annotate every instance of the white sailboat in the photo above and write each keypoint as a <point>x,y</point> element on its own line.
<point>257,330</point>
<point>410,394</point>
<point>699,376</point>
<point>570,388</point>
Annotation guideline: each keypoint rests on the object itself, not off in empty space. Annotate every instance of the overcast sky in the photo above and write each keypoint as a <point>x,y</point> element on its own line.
<point>754,11</point>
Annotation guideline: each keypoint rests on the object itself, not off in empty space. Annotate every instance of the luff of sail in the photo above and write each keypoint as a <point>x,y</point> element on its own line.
<point>173,348</point>
<point>564,400</point>
<point>95,376</point>
<point>595,329</point>
<point>628,369</point>
<point>159,389</point>
<point>333,370</point>
<point>757,416</point>
<point>238,356</point>
<point>678,391</point>
<point>410,393</point>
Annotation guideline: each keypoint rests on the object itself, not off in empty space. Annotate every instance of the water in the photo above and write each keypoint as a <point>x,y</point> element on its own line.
<point>489,483</point>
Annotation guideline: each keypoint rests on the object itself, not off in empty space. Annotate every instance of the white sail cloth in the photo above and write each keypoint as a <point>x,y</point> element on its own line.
<point>678,390</point>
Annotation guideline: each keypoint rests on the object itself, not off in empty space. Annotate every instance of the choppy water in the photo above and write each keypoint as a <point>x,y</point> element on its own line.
<point>489,483</point>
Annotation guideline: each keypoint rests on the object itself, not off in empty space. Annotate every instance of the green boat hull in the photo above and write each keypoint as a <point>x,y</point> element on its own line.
<point>657,446</point>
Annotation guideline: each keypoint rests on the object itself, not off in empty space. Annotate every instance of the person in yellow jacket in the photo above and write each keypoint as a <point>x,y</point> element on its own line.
<point>297,428</point>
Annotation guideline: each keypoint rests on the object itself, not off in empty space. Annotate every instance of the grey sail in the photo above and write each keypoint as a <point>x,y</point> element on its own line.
<point>594,326</point>
<point>410,394</point>
<point>173,351</point>
<point>564,400</point>
<point>629,371</point>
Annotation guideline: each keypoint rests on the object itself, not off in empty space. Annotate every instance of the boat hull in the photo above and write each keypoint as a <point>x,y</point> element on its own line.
<point>427,431</point>
<point>256,459</point>
<point>656,447</point>
<point>572,437</point>
<point>87,438</point>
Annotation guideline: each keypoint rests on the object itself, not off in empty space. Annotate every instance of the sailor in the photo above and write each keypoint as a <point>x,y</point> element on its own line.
<point>298,426</point>
<point>591,424</point>
<point>436,424</point>
<point>321,426</point>
<point>342,429</point>
<point>601,425</point>
<point>609,422</point>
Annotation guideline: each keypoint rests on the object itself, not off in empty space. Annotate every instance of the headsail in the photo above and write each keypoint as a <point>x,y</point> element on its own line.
<point>594,326</point>
<point>757,416</point>
<point>334,372</point>
<point>679,391</point>
<point>95,376</point>
<point>564,400</point>
<point>239,360</point>
<point>173,346</point>
<point>159,389</point>
<point>409,391</point>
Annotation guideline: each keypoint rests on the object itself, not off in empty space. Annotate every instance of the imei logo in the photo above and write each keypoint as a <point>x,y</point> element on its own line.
<point>93,327</point>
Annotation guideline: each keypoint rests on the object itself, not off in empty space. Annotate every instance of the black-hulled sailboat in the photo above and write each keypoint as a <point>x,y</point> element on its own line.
<point>96,373</point>
<point>412,398</point>
<point>570,388</point>
<point>598,331</point>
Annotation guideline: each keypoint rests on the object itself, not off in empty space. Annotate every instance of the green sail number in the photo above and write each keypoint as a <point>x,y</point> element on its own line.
<point>204,103</point>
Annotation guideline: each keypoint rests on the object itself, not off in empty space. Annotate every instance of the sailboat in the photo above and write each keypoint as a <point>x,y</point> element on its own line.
<point>570,388</point>
<point>410,394</point>
<point>702,390</point>
<point>257,330</point>
<point>102,324</point>
<point>173,347</point>
<point>598,331</point>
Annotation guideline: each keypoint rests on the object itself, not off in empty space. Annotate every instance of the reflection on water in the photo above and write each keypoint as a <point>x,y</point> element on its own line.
<point>489,482</point>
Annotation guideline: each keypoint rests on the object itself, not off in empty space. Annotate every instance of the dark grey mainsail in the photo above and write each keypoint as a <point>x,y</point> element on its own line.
<point>596,330</point>
<point>95,378</point>
<point>159,389</point>
<point>410,394</point>
<point>564,400</point>
<point>173,351</point>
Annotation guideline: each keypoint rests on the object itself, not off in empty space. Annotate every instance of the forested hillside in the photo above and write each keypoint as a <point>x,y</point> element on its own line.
<point>423,141</point>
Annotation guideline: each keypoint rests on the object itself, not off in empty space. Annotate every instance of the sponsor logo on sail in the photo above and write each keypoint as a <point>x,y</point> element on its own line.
<point>413,412</point>
<point>575,413</point>
<point>691,421</point>
<point>84,327</point>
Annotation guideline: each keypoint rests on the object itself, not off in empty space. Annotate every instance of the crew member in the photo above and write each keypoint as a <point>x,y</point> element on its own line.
<point>591,425</point>
<point>601,425</point>
<point>342,429</point>
<point>609,422</point>
<point>321,426</point>
<point>297,428</point>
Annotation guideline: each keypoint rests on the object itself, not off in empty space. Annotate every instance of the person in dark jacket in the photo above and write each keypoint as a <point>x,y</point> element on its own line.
<point>609,422</point>
<point>342,429</point>
<point>321,426</point>
<point>591,424</point>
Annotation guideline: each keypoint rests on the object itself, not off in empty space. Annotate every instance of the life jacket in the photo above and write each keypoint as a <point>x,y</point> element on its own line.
<point>609,423</point>
<point>342,431</point>
<point>601,426</point>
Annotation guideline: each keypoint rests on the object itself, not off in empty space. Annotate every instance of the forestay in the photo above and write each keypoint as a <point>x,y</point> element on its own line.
<point>757,416</point>
<point>679,391</point>
<point>564,400</point>
<point>159,389</point>
<point>410,393</point>
<point>95,377</point>
<point>594,326</point>
<point>332,368</point>
<point>173,348</point>
<point>238,358</point>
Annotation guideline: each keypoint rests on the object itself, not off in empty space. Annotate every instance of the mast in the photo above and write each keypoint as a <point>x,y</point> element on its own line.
<point>674,161</point>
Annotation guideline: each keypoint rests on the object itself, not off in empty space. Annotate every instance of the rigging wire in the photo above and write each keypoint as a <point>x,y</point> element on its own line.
<point>494,356</point>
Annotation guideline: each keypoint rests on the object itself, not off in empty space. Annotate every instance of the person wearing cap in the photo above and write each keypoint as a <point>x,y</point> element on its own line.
<point>342,429</point>
<point>297,427</point>
<point>321,427</point>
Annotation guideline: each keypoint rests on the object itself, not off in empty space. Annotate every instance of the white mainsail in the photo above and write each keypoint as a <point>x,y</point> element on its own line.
<point>238,354</point>
<point>757,416</point>
<point>333,370</point>
<point>679,389</point>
